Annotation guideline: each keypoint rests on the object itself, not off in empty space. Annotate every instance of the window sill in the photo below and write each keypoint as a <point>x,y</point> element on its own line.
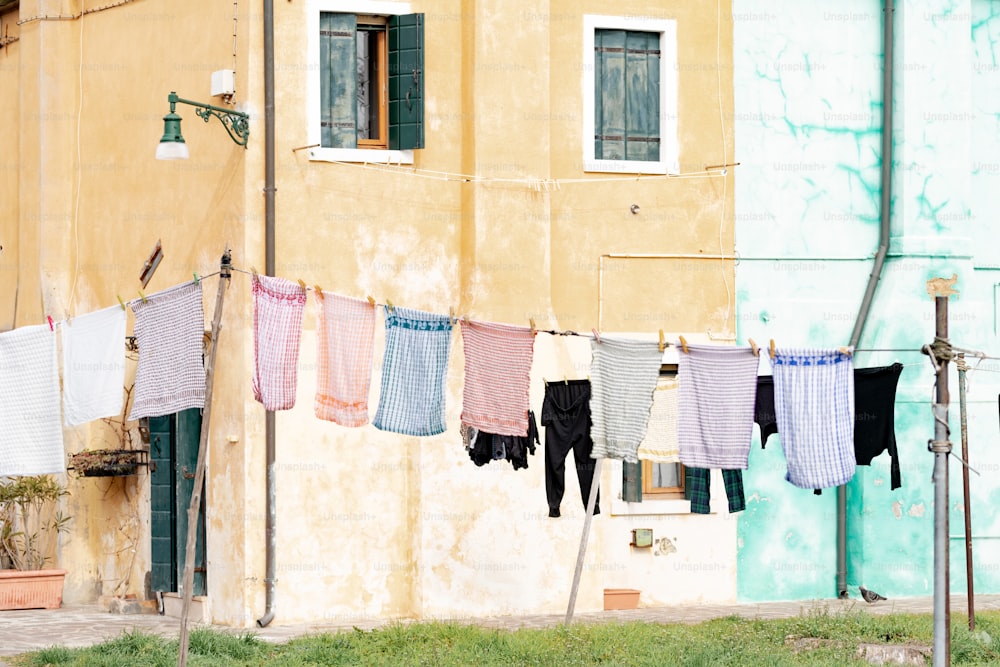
<point>629,167</point>
<point>647,507</point>
<point>374,156</point>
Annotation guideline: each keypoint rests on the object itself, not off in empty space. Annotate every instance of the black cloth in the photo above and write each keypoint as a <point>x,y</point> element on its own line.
<point>566,418</point>
<point>874,416</point>
<point>486,447</point>
<point>763,411</point>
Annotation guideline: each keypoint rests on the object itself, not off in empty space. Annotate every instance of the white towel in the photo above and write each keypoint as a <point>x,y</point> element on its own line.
<point>169,328</point>
<point>93,365</point>
<point>660,443</point>
<point>31,437</point>
<point>623,376</point>
<point>717,390</point>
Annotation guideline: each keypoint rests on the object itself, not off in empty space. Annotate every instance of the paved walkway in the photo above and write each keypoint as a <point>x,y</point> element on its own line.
<point>74,626</point>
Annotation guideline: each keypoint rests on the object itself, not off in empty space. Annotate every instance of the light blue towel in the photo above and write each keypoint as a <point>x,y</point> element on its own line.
<point>412,397</point>
<point>814,407</point>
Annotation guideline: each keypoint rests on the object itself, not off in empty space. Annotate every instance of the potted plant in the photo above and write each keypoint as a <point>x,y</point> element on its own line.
<point>30,523</point>
<point>108,462</point>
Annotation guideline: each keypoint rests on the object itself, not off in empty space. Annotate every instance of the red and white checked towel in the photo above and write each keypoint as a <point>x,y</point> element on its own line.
<point>344,356</point>
<point>169,329</point>
<point>497,377</point>
<point>278,305</point>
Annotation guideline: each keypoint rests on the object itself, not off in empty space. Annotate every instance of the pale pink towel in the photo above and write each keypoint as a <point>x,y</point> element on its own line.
<point>497,367</point>
<point>278,305</point>
<point>345,341</point>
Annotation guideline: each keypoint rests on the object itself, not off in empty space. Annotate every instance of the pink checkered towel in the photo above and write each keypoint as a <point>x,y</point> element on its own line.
<point>345,343</point>
<point>169,328</point>
<point>497,367</point>
<point>278,305</point>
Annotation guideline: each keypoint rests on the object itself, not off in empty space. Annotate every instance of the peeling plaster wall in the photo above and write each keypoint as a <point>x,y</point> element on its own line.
<point>808,110</point>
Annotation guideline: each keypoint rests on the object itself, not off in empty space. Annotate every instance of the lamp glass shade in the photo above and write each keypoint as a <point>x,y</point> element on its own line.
<point>172,150</point>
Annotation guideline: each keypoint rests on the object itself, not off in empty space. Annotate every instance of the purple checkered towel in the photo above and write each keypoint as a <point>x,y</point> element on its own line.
<point>278,305</point>
<point>717,387</point>
<point>814,407</point>
<point>169,329</point>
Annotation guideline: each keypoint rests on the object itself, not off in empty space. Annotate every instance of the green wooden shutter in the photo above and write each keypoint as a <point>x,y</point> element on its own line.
<point>406,81</point>
<point>632,482</point>
<point>626,95</point>
<point>338,80</point>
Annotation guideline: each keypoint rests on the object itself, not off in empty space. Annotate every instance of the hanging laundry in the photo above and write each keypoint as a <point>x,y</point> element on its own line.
<point>93,365</point>
<point>412,397</point>
<point>763,412</point>
<point>814,405</point>
<point>497,376</point>
<point>345,340</point>
<point>169,329</point>
<point>623,376</point>
<point>486,447</point>
<point>278,305</point>
<point>874,416</point>
<point>567,422</point>
<point>31,440</point>
<point>697,482</point>
<point>660,443</point>
<point>716,394</point>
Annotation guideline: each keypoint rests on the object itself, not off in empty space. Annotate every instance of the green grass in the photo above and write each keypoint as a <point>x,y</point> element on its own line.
<point>730,641</point>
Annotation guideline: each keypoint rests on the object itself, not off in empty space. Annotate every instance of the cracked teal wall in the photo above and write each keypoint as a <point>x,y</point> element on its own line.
<point>808,133</point>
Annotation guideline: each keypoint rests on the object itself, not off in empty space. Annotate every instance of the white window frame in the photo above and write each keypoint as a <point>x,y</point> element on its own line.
<point>369,7</point>
<point>669,162</point>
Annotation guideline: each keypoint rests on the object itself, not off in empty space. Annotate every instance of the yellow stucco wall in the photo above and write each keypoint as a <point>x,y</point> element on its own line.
<point>373,524</point>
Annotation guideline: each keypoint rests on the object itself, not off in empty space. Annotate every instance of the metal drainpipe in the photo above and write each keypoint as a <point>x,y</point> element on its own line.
<point>883,250</point>
<point>269,430</point>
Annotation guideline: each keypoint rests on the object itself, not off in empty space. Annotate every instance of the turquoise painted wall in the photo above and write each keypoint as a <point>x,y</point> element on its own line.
<point>808,132</point>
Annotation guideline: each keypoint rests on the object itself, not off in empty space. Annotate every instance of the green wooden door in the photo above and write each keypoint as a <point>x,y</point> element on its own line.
<point>173,457</point>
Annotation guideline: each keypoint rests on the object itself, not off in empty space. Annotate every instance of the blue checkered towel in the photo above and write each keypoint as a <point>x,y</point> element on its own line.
<point>716,390</point>
<point>814,407</point>
<point>414,368</point>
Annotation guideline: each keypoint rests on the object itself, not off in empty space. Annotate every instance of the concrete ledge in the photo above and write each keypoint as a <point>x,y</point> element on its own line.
<point>173,606</point>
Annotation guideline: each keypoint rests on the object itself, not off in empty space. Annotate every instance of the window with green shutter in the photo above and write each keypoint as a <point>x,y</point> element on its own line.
<point>371,81</point>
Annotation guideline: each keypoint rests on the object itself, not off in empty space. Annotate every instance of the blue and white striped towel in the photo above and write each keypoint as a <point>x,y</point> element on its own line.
<point>412,396</point>
<point>716,390</point>
<point>814,407</point>
<point>623,376</point>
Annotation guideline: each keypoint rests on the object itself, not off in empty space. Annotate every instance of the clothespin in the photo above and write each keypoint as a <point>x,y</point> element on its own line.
<point>389,303</point>
<point>772,348</point>
<point>371,300</point>
<point>51,326</point>
<point>302,284</point>
<point>451,316</point>
<point>753,346</point>
<point>684,344</point>
<point>319,292</point>
<point>143,296</point>
<point>597,336</point>
<point>663,344</point>
<point>531,321</point>
<point>120,302</point>
<point>253,270</point>
<point>196,278</point>
<point>844,350</point>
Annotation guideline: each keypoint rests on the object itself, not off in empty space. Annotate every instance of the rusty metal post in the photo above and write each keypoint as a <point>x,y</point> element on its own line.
<point>960,364</point>
<point>940,352</point>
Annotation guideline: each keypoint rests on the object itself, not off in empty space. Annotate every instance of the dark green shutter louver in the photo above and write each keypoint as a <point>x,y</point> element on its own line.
<point>632,482</point>
<point>406,81</point>
<point>626,95</point>
<point>338,80</point>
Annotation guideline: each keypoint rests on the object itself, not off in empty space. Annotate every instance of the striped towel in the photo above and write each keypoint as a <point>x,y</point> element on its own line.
<point>169,329</point>
<point>715,401</point>
<point>660,443</point>
<point>417,345</point>
<point>345,342</point>
<point>93,365</point>
<point>497,377</point>
<point>814,406</point>
<point>278,305</point>
<point>31,440</point>
<point>623,376</point>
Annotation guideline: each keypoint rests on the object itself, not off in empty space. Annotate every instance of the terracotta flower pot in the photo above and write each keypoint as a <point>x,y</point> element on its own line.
<point>31,589</point>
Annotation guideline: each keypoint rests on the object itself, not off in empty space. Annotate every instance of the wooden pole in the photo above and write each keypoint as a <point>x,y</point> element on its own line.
<point>591,503</point>
<point>965,492</point>
<point>225,272</point>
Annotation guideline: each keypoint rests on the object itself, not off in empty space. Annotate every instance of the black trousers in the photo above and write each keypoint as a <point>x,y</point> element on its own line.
<point>566,418</point>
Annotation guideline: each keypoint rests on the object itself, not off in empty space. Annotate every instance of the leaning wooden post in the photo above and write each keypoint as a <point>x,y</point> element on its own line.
<point>591,503</point>
<point>225,272</point>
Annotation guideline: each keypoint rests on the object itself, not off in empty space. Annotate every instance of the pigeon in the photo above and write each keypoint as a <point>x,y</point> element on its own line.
<point>870,596</point>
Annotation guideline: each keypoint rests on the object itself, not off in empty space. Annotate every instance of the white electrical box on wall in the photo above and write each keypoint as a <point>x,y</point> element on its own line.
<point>223,82</point>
